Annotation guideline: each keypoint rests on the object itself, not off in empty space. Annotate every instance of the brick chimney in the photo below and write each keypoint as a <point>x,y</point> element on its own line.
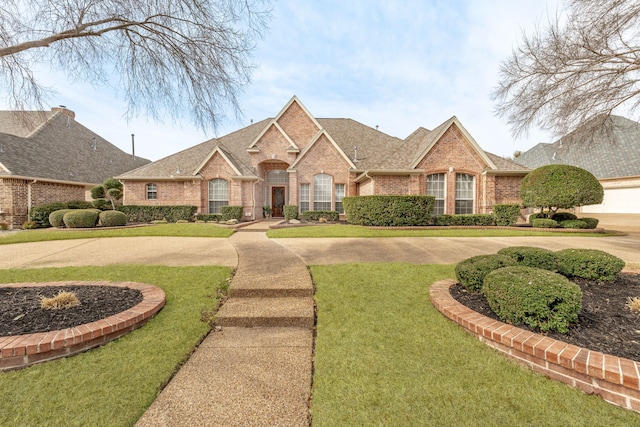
<point>63,109</point>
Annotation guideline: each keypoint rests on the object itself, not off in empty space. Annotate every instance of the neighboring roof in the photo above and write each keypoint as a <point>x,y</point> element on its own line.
<point>58,148</point>
<point>608,150</point>
<point>364,147</point>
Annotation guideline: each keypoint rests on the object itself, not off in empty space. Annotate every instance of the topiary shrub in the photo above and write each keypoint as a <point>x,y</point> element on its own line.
<point>544,223</point>
<point>231,212</point>
<point>591,222</point>
<point>81,218</point>
<point>573,223</point>
<point>506,215</point>
<point>471,271</point>
<point>55,217</point>
<point>530,256</point>
<point>112,219</point>
<point>589,264</point>
<point>290,212</point>
<point>537,298</point>
<point>102,204</point>
<point>563,216</point>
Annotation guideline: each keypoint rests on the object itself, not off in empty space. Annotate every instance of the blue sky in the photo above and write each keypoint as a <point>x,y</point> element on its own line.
<point>396,64</point>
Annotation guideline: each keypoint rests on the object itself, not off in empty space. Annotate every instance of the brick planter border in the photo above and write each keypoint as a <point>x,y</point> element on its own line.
<point>20,351</point>
<point>615,379</point>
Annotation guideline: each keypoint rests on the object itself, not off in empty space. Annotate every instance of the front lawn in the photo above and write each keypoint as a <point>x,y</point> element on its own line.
<point>113,385</point>
<point>178,230</point>
<point>385,356</point>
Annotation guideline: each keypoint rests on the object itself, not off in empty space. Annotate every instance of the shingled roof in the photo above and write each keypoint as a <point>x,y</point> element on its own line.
<point>52,145</point>
<point>609,150</point>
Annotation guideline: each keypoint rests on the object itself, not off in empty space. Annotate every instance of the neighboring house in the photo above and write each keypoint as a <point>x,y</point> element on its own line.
<point>46,156</point>
<point>296,159</point>
<point>610,151</point>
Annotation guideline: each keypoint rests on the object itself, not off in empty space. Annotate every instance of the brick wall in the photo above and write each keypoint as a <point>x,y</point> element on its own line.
<point>298,125</point>
<point>273,146</point>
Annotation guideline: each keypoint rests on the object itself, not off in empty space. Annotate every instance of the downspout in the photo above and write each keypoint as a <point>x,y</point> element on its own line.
<point>29,195</point>
<point>253,201</point>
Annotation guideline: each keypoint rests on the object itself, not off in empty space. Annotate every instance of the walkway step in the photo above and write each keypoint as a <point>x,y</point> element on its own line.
<point>270,312</point>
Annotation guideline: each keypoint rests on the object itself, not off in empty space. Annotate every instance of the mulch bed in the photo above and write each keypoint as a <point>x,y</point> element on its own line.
<point>604,324</point>
<point>20,311</point>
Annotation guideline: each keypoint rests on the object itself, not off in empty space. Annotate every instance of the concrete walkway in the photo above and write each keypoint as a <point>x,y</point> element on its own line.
<point>257,370</point>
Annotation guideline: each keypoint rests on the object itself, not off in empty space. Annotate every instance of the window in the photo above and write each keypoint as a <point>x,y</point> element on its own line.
<point>339,196</point>
<point>304,197</point>
<point>277,177</point>
<point>152,192</point>
<point>218,195</point>
<point>464,193</point>
<point>322,192</point>
<point>436,188</point>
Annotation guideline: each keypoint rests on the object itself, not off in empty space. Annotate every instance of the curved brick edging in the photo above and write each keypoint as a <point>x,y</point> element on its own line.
<point>615,379</point>
<point>20,351</point>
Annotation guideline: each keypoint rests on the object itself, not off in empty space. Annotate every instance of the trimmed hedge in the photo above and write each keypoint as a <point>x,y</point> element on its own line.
<point>573,223</point>
<point>530,256</point>
<point>290,212</point>
<point>81,218</point>
<point>316,215</point>
<point>472,271</point>
<point>589,264</point>
<point>147,214</point>
<point>506,215</point>
<point>112,219</point>
<point>231,212</point>
<point>389,210</point>
<point>537,216</point>
<point>544,223</point>
<point>464,219</point>
<point>563,216</point>
<point>208,217</point>
<point>56,217</point>
<point>537,298</point>
<point>591,222</point>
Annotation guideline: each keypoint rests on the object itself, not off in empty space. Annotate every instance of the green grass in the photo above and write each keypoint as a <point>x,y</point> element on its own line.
<point>114,384</point>
<point>386,357</point>
<point>360,231</point>
<point>178,230</point>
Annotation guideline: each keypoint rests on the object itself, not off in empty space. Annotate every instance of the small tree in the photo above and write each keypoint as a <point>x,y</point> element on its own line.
<point>556,187</point>
<point>110,190</point>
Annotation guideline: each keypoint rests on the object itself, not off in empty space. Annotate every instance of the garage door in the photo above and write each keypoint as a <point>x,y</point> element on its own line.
<point>617,200</point>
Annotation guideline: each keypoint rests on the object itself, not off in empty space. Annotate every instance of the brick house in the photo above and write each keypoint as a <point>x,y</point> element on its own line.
<point>296,159</point>
<point>46,156</point>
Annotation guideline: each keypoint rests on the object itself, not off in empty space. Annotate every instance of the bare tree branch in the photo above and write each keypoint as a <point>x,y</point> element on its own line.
<point>168,57</point>
<point>577,69</point>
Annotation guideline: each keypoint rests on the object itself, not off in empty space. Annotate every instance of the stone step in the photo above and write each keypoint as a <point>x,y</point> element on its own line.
<point>267,312</point>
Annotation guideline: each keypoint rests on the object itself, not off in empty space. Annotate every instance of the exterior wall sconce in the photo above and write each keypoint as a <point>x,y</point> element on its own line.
<point>450,169</point>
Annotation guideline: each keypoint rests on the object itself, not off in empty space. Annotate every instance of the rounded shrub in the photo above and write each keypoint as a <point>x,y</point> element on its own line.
<point>81,218</point>
<point>112,218</point>
<point>544,223</point>
<point>573,223</point>
<point>55,217</point>
<point>472,271</point>
<point>537,298</point>
<point>537,216</point>
<point>591,222</point>
<point>563,216</point>
<point>530,256</point>
<point>590,264</point>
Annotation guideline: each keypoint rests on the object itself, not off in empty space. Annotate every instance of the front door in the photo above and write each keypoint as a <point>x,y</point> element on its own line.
<point>277,201</point>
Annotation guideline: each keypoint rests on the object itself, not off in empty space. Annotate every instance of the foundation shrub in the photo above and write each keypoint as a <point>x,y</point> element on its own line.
<point>472,271</point>
<point>591,222</point>
<point>209,217</point>
<point>80,218</point>
<point>231,212</point>
<point>316,215</point>
<point>29,225</point>
<point>573,223</point>
<point>530,256</point>
<point>290,212</point>
<point>563,216</point>
<point>389,210</point>
<point>537,216</point>
<point>544,223</point>
<point>506,215</point>
<point>112,219</point>
<point>534,297</point>
<point>462,220</point>
<point>590,264</point>
<point>146,214</point>
<point>40,214</point>
<point>55,217</point>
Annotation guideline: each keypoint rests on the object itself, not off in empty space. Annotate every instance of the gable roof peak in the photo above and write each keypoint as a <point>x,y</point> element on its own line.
<point>295,100</point>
